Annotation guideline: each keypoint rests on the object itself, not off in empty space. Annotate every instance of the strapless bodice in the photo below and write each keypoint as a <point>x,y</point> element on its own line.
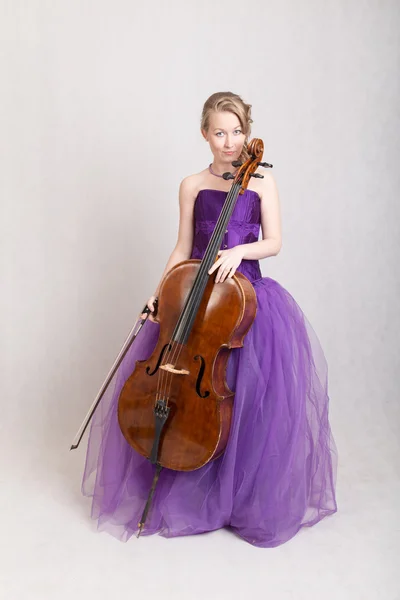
<point>243,226</point>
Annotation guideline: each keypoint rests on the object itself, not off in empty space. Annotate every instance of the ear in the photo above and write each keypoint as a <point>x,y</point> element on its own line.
<point>204,134</point>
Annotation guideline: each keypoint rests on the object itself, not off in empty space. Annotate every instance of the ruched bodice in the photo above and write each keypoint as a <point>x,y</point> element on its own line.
<point>243,226</point>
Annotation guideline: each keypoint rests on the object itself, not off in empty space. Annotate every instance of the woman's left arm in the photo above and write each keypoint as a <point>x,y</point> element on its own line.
<point>229,260</point>
<point>271,243</point>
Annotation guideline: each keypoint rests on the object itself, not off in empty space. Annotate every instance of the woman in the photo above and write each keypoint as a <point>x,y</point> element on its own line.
<point>278,471</point>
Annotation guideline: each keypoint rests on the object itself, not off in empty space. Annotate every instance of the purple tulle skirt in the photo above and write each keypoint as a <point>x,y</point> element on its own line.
<point>278,471</point>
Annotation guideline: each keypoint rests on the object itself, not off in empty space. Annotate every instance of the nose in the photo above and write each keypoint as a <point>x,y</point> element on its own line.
<point>228,142</point>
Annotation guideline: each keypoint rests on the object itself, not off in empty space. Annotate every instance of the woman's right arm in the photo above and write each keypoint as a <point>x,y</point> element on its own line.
<point>184,244</point>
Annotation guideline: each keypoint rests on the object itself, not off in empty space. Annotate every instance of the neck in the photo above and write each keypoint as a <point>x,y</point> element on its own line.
<point>220,168</point>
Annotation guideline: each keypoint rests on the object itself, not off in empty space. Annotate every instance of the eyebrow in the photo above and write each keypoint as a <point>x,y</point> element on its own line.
<point>220,128</point>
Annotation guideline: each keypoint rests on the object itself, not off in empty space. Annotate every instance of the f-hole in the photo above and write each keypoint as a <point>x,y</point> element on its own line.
<point>200,377</point>
<point>159,360</point>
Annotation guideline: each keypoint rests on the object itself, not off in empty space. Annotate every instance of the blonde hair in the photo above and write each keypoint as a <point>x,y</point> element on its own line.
<point>228,101</point>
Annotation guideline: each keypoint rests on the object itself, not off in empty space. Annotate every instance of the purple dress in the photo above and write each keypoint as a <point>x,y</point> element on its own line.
<point>278,471</point>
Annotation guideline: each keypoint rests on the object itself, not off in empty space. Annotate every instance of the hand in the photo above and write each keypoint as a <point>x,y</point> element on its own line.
<point>228,262</point>
<point>150,304</point>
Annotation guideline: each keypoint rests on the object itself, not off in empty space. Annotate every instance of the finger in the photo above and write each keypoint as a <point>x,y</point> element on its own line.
<point>220,262</point>
<point>219,275</point>
<point>224,275</point>
<point>224,272</point>
<point>217,263</point>
<point>215,266</point>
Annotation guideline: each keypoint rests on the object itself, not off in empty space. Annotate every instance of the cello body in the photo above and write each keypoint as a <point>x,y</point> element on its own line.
<point>188,378</point>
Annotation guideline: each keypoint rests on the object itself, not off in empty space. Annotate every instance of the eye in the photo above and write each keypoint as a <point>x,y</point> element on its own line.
<point>238,131</point>
<point>218,132</point>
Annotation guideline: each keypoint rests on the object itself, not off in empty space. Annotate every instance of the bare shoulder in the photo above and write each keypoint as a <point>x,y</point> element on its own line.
<point>268,189</point>
<point>190,185</point>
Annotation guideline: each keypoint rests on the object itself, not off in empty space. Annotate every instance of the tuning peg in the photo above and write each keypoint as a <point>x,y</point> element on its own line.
<point>257,175</point>
<point>228,175</point>
<point>264,164</point>
<point>236,163</point>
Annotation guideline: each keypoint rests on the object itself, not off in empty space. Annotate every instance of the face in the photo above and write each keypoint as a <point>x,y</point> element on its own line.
<point>225,136</point>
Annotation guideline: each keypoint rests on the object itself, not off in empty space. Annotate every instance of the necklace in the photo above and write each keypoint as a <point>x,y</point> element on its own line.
<point>216,174</point>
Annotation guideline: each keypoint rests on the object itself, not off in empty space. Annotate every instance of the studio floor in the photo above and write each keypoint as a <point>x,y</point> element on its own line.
<point>51,549</point>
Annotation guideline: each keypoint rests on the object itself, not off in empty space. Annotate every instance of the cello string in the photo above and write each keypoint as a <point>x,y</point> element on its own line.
<point>223,213</point>
<point>176,348</point>
<point>196,291</point>
<point>173,354</point>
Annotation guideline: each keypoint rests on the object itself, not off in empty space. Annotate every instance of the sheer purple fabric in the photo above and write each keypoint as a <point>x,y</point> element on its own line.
<point>278,472</point>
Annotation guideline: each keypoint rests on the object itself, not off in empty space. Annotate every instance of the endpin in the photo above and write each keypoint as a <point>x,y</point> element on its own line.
<point>146,508</point>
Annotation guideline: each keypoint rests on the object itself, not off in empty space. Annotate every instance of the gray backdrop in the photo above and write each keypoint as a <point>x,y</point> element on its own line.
<point>99,114</point>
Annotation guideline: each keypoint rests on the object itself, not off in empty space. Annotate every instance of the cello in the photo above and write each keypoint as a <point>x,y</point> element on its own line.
<point>175,408</point>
